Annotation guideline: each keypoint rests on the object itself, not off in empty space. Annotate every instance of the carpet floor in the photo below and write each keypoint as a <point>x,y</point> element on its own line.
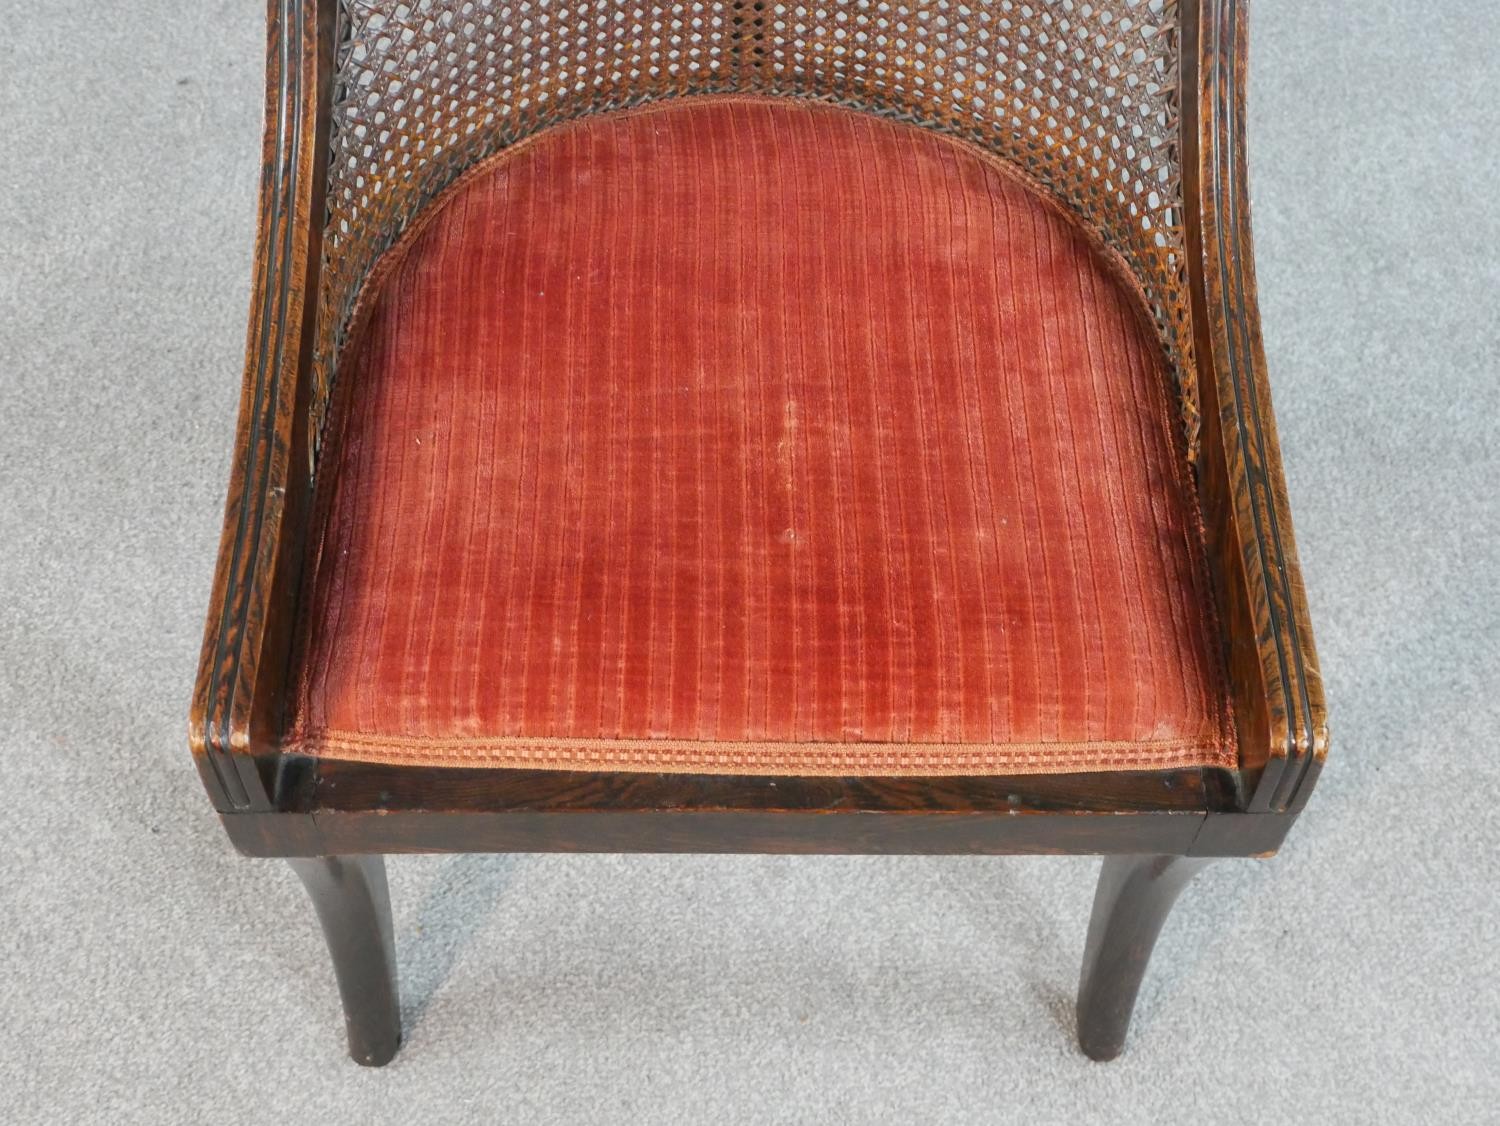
<point>148,974</point>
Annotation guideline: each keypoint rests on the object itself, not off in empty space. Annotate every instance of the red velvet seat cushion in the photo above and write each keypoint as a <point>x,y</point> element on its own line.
<point>743,436</point>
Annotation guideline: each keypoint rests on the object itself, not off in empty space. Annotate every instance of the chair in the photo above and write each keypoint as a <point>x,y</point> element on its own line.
<point>727,426</point>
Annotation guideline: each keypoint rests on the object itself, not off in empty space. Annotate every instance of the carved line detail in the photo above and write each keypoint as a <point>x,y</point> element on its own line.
<point>274,285</point>
<point>1228,186</point>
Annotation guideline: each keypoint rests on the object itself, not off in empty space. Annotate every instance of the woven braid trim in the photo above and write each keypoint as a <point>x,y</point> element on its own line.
<point>679,756</point>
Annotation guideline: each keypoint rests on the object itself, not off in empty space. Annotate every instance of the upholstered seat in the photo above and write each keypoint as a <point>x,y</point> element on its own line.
<point>741,436</point>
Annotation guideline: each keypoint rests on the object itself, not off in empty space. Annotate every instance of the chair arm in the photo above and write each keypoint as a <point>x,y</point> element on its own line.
<point>1280,715</point>
<point>236,706</point>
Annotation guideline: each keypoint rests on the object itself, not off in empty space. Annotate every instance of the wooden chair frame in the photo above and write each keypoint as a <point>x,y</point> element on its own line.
<point>334,820</point>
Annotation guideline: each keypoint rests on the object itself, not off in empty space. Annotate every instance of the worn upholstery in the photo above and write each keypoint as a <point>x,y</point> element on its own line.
<point>759,437</point>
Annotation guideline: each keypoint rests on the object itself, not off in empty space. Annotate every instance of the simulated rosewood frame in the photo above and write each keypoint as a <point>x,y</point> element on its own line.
<point>334,819</point>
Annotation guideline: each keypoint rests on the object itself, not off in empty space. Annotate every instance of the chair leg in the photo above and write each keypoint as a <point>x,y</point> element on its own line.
<point>354,905</point>
<point>1135,895</point>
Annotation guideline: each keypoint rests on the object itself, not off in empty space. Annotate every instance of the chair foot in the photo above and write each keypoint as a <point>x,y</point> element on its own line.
<point>1135,895</point>
<point>354,905</point>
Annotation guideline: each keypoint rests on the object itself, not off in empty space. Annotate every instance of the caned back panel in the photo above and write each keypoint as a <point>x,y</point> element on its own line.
<point>1081,96</point>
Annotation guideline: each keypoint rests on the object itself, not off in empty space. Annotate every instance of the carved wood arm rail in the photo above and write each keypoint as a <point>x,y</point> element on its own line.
<point>1278,693</point>
<point>233,727</point>
<point>1130,112</point>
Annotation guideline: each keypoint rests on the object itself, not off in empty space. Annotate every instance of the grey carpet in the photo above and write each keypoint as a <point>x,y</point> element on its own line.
<point>147,974</point>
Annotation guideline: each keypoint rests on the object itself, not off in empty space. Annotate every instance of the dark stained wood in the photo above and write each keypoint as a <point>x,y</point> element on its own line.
<point>235,719</point>
<point>354,905</point>
<point>1241,834</point>
<point>1134,897</point>
<point>330,785</point>
<point>806,832</point>
<point>359,807</point>
<point>1280,713</point>
<point>274,834</point>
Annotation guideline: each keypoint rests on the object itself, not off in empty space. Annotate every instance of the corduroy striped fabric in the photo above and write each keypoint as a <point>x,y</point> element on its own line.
<point>745,436</point>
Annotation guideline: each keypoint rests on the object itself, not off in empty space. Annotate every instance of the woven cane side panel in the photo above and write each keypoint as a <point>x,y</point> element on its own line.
<point>1083,96</point>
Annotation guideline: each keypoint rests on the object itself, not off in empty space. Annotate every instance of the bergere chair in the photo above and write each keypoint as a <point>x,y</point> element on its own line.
<point>737,426</point>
